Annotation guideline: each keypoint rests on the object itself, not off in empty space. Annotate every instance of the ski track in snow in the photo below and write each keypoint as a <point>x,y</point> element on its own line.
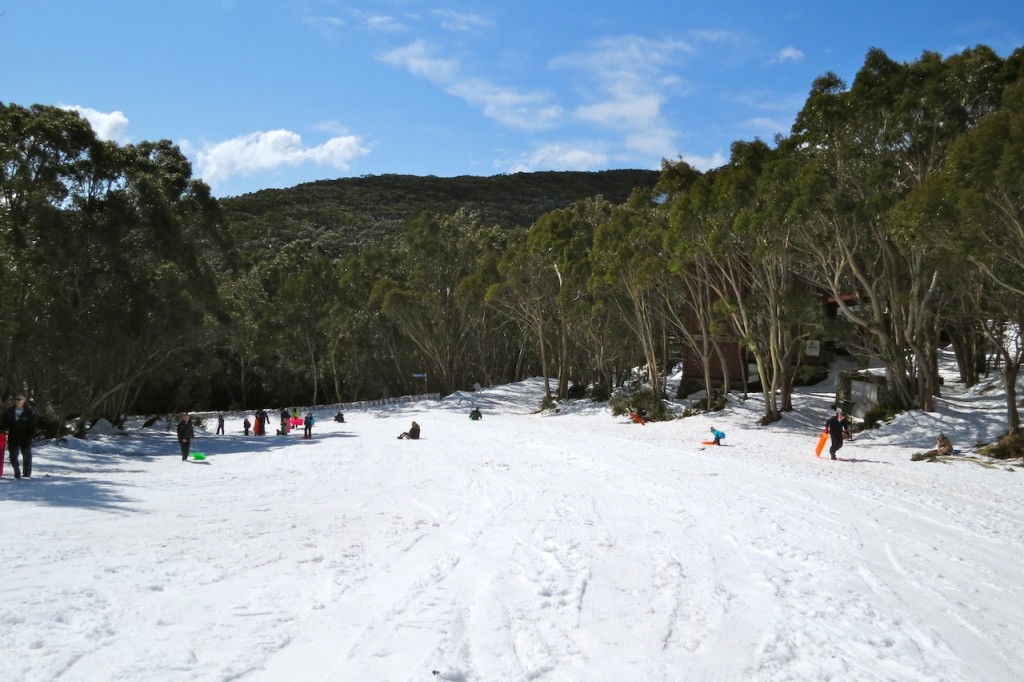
<point>522,547</point>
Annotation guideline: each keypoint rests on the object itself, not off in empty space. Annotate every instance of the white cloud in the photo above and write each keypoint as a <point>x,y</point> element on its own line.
<point>529,111</point>
<point>263,151</point>
<point>416,58</point>
<point>326,26</point>
<point>788,54</point>
<point>384,23</point>
<point>632,82</point>
<point>456,21</point>
<point>765,127</point>
<point>507,106</point>
<point>623,112</point>
<point>333,22</point>
<point>110,126</point>
<point>653,141</point>
<point>558,157</point>
<point>705,163</point>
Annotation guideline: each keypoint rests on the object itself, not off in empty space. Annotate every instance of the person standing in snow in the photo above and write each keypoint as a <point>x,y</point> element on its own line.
<point>474,414</point>
<point>307,425</point>
<point>220,425</point>
<point>19,421</point>
<point>837,427</point>
<point>717,435</point>
<point>186,433</point>
<point>246,424</point>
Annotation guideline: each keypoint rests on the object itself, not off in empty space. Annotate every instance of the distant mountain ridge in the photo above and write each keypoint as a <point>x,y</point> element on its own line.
<point>374,208</point>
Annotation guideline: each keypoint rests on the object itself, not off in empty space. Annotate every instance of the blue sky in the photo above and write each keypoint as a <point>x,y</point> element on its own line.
<point>271,93</point>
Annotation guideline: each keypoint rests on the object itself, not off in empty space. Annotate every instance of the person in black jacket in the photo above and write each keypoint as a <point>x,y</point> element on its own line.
<point>20,421</point>
<point>186,432</point>
<point>413,433</point>
<point>838,426</point>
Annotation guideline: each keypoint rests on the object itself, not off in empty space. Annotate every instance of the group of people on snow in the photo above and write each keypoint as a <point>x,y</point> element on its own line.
<point>20,421</point>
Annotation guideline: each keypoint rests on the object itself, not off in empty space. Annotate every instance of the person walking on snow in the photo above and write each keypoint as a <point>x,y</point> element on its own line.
<point>307,425</point>
<point>19,421</point>
<point>717,435</point>
<point>837,427</point>
<point>186,433</point>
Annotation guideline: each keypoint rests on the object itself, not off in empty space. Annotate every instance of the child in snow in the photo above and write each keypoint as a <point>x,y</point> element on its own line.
<point>246,424</point>
<point>186,433</point>
<point>474,414</point>
<point>837,427</point>
<point>717,435</point>
<point>307,425</point>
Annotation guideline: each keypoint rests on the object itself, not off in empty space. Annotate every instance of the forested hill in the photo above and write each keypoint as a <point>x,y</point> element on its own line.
<point>370,209</point>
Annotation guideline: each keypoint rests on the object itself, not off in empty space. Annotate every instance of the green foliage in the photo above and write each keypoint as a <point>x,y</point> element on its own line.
<point>1008,447</point>
<point>688,386</point>
<point>877,415</point>
<point>107,265</point>
<point>599,392</point>
<point>548,403</point>
<point>641,400</point>
<point>131,286</point>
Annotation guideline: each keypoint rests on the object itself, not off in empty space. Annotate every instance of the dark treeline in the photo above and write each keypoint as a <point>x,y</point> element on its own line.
<point>127,288</point>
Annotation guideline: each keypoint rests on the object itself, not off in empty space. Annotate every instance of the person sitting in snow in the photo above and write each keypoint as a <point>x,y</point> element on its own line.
<point>340,418</point>
<point>717,435</point>
<point>413,433</point>
<point>474,414</point>
<point>943,445</point>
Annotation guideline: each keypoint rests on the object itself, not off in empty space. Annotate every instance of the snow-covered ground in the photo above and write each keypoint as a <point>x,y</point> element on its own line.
<point>570,546</point>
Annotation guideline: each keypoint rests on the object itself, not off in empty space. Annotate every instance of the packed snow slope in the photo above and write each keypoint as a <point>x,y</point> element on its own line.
<point>557,546</point>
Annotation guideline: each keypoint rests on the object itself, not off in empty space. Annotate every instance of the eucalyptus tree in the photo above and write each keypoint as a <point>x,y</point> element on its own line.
<point>109,279</point>
<point>303,308</point>
<point>562,241</point>
<point>45,156</point>
<point>864,149</point>
<point>688,306</point>
<point>526,292</point>
<point>630,270</point>
<point>714,224</point>
<point>789,312</point>
<point>438,254</point>
<point>982,186</point>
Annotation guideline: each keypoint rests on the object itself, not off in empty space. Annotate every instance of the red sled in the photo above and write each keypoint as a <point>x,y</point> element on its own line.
<point>821,444</point>
<point>637,418</point>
